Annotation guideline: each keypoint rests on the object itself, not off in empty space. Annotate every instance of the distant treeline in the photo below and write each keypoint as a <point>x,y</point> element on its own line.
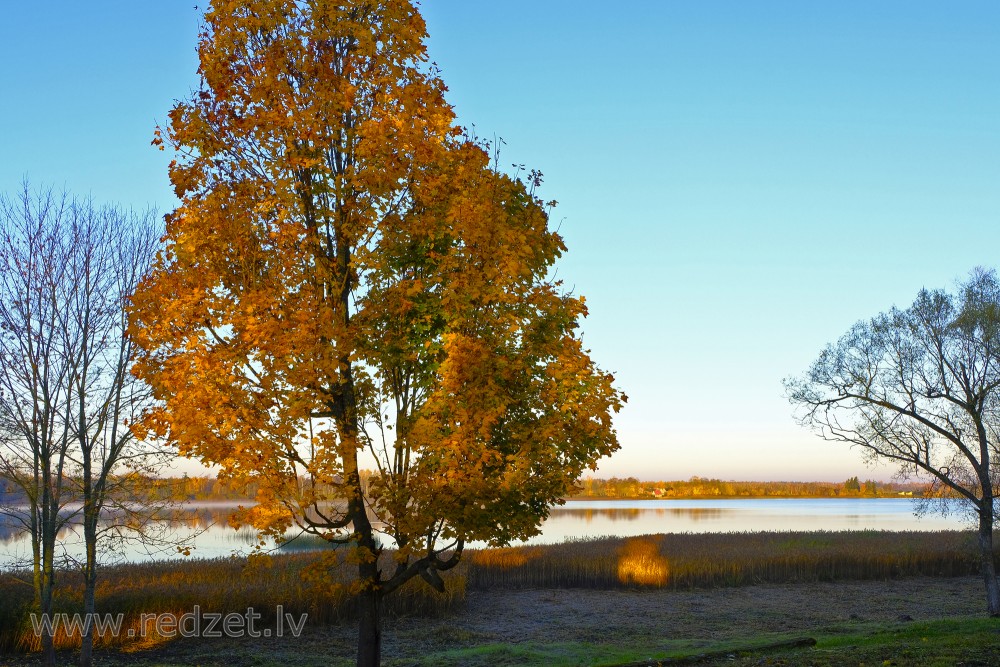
<point>199,488</point>
<point>206,488</point>
<point>152,488</point>
<point>209,488</point>
<point>701,487</point>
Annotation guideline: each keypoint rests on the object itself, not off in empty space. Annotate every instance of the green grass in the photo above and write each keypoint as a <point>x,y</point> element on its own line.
<point>974,641</point>
<point>572,654</point>
<point>940,642</point>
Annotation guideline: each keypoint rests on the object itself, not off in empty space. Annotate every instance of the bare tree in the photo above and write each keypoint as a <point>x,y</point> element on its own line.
<point>67,396</point>
<point>35,377</point>
<point>111,251</point>
<point>921,388</point>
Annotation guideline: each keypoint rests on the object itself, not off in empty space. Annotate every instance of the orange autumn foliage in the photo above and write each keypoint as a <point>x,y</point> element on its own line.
<point>348,271</point>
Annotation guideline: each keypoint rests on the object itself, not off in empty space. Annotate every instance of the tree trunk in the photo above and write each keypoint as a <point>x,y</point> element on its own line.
<point>89,583</point>
<point>47,585</point>
<point>36,552</point>
<point>986,556</point>
<point>90,513</point>
<point>369,628</point>
<point>370,596</point>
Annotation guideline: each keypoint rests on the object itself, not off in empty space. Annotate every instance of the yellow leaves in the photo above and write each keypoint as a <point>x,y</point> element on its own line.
<point>320,573</point>
<point>342,252</point>
<point>359,554</point>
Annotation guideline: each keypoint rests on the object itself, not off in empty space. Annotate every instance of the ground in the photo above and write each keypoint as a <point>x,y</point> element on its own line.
<point>602,627</point>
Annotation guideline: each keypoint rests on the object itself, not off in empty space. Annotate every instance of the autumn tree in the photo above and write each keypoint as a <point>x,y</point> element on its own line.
<point>67,269</point>
<point>920,388</point>
<point>350,281</point>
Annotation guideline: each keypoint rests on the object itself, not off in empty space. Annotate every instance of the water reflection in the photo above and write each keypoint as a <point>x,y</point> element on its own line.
<point>700,513</point>
<point>8,530</point>
<point>589,515</point>
<point>624,518</point>
<point>191,516</point>
<point>203,526</point>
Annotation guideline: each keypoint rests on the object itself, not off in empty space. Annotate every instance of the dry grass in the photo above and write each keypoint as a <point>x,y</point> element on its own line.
<point>306,583</point>
<point>711,560</point>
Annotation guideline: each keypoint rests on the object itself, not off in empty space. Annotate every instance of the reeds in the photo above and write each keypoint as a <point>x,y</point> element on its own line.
<point>710,560</point>
<point>318,584</point>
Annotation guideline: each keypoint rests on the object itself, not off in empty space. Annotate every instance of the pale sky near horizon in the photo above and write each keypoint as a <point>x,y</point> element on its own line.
<point>737,182</point>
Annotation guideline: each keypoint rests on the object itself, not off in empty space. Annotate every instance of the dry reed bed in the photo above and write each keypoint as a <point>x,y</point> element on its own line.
<point>685,561</point>
<point>300,583</point>
<point>317,583</point>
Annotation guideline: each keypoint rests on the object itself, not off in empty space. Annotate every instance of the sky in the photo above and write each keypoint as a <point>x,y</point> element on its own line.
<point>738,182</point>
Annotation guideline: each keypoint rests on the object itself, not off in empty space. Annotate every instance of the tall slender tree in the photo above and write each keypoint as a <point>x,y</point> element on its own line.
<point>36,377</point>
<point>109,251</point>
<point>351,282</point>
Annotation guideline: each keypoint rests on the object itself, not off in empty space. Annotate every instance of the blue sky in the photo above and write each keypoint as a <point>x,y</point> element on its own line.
<point>738,182</point>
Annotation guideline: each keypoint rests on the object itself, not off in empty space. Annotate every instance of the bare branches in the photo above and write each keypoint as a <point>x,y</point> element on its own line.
<point>918,387</point>
<point>921,388</point>
<point>67,397</point>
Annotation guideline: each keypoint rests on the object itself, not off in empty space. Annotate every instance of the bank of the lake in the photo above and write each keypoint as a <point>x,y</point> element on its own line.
<point>205,529</point>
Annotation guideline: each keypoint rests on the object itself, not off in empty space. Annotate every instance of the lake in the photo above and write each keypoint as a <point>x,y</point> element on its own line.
<point>204,524</point>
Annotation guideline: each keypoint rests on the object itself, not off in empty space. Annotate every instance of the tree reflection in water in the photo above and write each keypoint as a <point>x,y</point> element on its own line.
<point>635,513</point>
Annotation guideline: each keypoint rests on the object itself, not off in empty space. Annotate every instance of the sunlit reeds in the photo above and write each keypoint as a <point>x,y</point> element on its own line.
<point>640,562</point>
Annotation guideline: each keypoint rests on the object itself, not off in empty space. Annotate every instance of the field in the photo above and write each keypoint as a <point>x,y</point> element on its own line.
<point>910,597</point>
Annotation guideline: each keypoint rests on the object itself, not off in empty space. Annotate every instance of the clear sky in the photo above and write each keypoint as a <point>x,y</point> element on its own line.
<point>738,181</point>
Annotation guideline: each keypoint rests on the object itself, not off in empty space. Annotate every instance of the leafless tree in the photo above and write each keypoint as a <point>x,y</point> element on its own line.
<point>67,396</point>
<point>921,388</point>
<point>35,377</point>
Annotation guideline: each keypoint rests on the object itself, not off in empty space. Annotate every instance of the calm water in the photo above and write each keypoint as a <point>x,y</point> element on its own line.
<point>204,524</point>
<point>623,517</point>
